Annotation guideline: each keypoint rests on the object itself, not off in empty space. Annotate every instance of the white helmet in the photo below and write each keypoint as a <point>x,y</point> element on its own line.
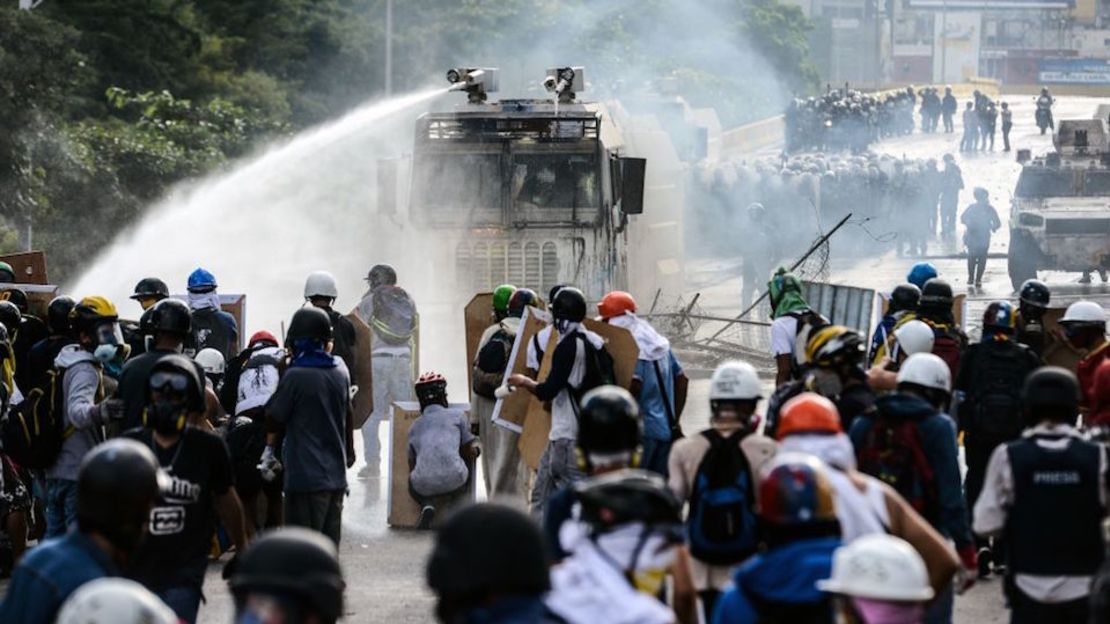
<point>926,370</point>
<point>320,284</point>
<point>211,360</point>
<point>914,337</point>
<point>114,601</point>
<point>879,567</point>
<point>1084,312</point>
<point>734,381</point>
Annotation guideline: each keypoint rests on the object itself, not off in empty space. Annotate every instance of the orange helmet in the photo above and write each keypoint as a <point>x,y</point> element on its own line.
<point>808,413</point>
<point>616,303</point>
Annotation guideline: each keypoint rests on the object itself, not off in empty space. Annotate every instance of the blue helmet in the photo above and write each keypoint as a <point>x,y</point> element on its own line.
<point>201,280</point>
<point>921,273</point>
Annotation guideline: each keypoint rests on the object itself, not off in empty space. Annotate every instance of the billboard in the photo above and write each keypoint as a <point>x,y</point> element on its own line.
<point>979,5</point>
<point>1082,71</point>
<point>956,40</point>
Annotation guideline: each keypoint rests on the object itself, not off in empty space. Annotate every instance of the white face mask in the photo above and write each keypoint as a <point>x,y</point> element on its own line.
<point>645,563</point>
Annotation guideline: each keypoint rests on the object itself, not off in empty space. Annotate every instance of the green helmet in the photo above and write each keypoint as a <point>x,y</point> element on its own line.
<point>4,266</point>
<point>501,296</point>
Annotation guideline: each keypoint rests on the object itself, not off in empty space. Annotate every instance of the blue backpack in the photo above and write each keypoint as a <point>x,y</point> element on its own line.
<point>721,528</point>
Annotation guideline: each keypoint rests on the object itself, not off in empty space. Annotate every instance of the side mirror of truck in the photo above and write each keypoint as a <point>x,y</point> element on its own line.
<point>632,185</point>
<point>387,186</point>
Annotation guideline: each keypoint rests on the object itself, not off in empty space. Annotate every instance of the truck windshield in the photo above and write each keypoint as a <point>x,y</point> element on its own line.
<point>458,181</point>
<point>1097,184</point>
<point>555,181</point>
<point>1035,183</point>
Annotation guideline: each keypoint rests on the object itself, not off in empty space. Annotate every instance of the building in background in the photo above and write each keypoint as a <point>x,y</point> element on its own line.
<point>1020,42</point>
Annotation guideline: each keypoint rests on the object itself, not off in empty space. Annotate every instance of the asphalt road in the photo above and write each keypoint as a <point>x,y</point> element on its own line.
<point>384,567</point>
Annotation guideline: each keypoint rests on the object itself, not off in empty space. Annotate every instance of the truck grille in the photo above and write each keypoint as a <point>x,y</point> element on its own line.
<point>1076,226</point>
<point>482,266</point>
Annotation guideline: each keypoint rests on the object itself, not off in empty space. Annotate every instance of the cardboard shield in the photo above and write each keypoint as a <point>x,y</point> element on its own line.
<point>363,373</point>
<point>959,308</point>
<point>403,511</point>
<point>537,423</point>
<point>39,296</point>
<point>1057,352</point>
<point>477,316</point>
<point>511,411</point>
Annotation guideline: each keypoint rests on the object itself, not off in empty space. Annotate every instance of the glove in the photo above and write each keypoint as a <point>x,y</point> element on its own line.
<point>269,465</point>
<point>109,410</point>
<point>969,568</point>
<point>230,567</point>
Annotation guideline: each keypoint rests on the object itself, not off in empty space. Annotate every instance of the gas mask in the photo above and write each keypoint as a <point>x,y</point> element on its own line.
<point>167,409</point>
<point>109,342</point>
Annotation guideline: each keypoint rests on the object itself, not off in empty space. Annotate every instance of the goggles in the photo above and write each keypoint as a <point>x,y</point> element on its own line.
<point>164,381</point>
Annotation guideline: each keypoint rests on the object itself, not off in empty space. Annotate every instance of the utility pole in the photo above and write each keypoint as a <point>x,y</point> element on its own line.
<point>388,48</point>
<point>944,42</point>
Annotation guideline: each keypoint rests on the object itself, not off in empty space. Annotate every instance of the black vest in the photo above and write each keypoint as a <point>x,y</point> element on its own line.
<point>1054,526</point>
<point>210,330</point>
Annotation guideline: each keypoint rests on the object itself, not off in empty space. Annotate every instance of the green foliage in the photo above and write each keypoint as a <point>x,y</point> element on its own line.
<point>104,104</point>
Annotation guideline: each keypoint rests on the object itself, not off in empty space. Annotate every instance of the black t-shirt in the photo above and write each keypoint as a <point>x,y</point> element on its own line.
<point>29,333</point>
<point>175,551</point>
<point>344,339</point>
<point>133,381</point>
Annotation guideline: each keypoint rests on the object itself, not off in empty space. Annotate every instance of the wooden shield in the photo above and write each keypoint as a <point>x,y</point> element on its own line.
<point>1057,351</point>
<point>511,411</point>
<point>363,373</point>
<point>959,307</point>
<point>29,266</point>
<point>621,345</point>
<point>403,511</point>
<point>39,296</point>
<point>477,316</point>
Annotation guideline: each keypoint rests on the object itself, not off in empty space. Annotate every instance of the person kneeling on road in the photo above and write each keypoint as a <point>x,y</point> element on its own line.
<point>312,406</point>
<point>441,449</point>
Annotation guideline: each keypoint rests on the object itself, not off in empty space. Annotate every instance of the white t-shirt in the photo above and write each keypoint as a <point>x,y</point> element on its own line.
<point>784,334</point>
<point>533,358</point>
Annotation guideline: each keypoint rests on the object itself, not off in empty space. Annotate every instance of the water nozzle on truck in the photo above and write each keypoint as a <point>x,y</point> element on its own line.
<point>476,81</point>
<point>565,82</point>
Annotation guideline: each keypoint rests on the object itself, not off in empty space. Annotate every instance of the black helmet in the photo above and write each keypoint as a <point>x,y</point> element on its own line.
<point>292,562</point>
<point>1035,293</point>
<point>10,316</point>
<point>488,549</point>
<point>176,363</point>
<point>431,389</point>
<point>171,316</point>
<point>1050,387</point>
<point>625,496</point>
<point>522,298</point>
<point>18,297</point>
<point>905,297</point>
<point>57,315</point>
<point>554,291</point>
<point>569,304</point>
<point>381,275</point>
<point>118,482</point>
<point>151,287</point>
<point>309,322</point>
<point>936,292</point>
<point>609,421</point>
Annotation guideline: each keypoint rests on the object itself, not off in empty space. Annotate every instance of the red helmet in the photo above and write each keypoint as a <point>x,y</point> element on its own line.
<point>808,413</point>
<point>431,388</point>
<point>616,303</point>
<point>262,336</point>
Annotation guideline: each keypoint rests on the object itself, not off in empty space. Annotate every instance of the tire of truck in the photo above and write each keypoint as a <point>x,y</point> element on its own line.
<point>1021,261</point>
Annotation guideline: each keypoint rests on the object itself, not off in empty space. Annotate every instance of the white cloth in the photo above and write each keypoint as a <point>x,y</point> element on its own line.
<point>859,512</point>
<point>586,588</point>
<point>258,382</point>
<point>533,357</point>
<point>652,345</point>
<point>204,301</point>
<point>993,506</point>
<point>784,333</point>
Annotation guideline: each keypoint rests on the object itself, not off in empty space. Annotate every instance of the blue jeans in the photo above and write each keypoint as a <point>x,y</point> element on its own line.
<point>184,600</point>
<point>940,611</point>
<point>61,506</point>
<point>656,453</point>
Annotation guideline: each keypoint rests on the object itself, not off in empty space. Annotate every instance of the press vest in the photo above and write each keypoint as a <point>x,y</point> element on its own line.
<point>1054,524</point>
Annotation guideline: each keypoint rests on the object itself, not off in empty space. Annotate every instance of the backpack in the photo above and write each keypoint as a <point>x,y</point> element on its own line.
<point>892,453</point>
<point>948,345</point>
<point>490,364</point>
<point>808,321</point>
<point>600,369</point>
<point>36,428</point>
<point>995,402</point>
<point>258,379</point>
<point>209,330</point>
<point>394,318</point>
<point>721,526</point>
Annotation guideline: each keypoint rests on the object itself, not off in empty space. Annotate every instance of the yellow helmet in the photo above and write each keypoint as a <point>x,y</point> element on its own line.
<point>92,310</point>
<point>835,344</point>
